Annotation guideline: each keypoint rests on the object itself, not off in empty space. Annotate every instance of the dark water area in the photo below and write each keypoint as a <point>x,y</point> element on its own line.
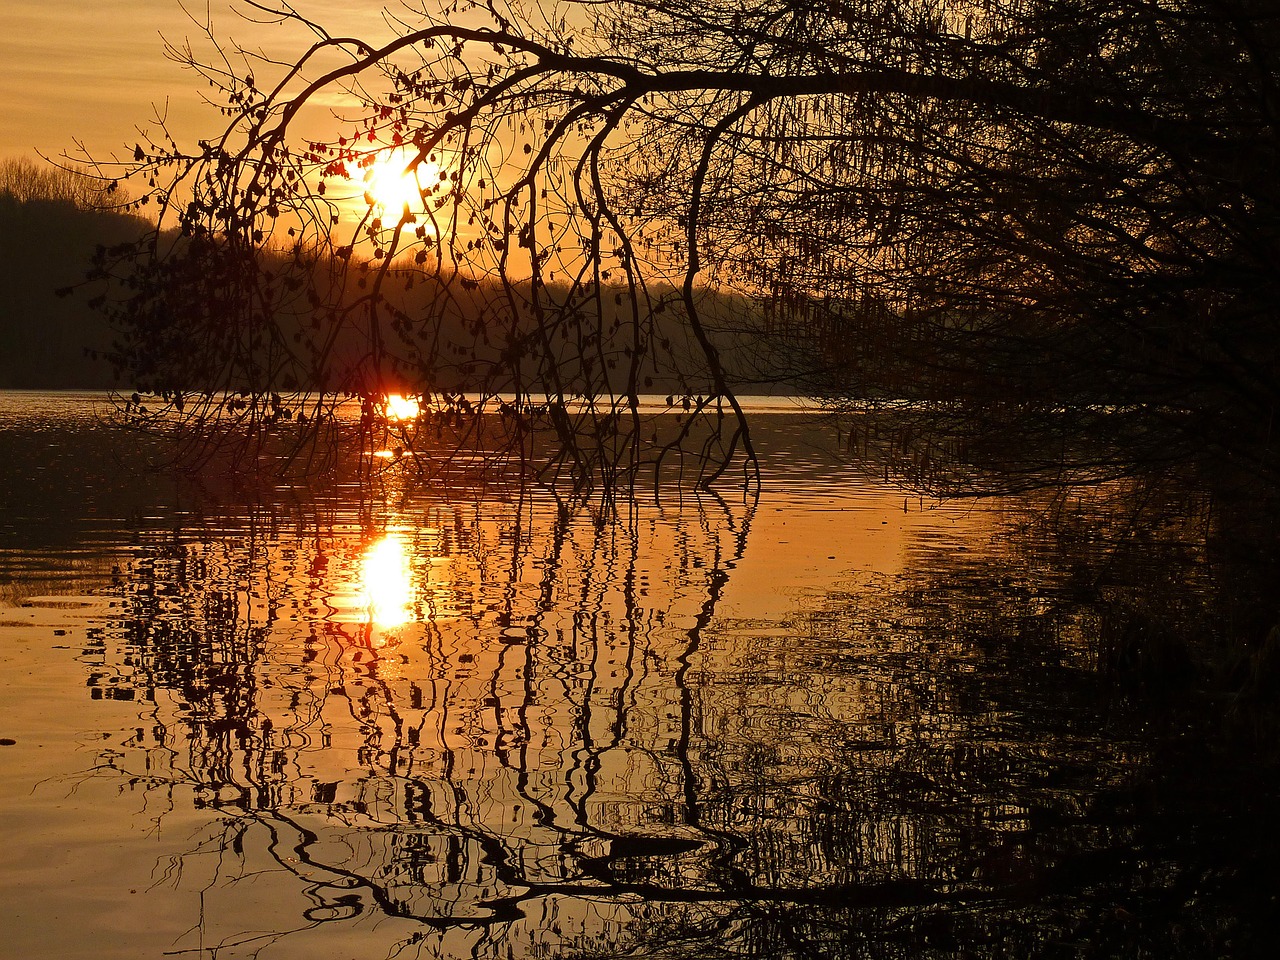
<point>393,720</point>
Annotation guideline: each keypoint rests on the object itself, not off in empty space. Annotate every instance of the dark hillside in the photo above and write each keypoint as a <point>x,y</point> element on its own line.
<point>47,341</point>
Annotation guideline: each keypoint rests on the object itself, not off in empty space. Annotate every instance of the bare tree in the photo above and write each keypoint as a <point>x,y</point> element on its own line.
<point>1048,219</point>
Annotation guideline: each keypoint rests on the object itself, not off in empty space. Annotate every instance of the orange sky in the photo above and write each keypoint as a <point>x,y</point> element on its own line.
<point>93,71</point>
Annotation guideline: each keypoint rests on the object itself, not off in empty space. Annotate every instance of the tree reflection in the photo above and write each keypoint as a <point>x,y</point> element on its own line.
<point>562,743</point>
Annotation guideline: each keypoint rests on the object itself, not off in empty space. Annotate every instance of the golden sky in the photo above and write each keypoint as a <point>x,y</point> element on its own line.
<point>96,71</point>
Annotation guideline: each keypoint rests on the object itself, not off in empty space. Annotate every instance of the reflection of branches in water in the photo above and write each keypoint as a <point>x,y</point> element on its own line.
<point>223,852</point>
<point>933,744</point>
<point>491,746</point>
<point>570,748</point>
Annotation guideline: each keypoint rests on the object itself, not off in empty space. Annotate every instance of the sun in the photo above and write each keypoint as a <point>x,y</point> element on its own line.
<point>391,185</point>
<point>399,407</point>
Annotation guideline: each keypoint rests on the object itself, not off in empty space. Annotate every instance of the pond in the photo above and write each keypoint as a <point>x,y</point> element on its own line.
<point>826,719</point>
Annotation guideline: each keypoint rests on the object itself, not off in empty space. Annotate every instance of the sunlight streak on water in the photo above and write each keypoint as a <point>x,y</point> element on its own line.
<point>388,581</point>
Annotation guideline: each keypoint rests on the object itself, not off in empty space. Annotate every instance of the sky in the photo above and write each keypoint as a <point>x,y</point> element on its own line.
<point>96,72</point>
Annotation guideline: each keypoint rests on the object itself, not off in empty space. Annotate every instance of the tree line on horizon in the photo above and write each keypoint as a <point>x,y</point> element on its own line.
<point>62,229</point>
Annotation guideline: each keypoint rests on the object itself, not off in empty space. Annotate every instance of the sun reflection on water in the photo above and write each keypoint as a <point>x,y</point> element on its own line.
<point>388,581</point>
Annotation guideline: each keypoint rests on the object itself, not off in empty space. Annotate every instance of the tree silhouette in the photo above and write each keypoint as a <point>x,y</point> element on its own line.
<point>25,181</point>
<point>1048,222</point>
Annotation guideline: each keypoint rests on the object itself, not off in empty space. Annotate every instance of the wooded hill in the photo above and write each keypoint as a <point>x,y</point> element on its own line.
<point>49,341</point>
<point>54,334</point>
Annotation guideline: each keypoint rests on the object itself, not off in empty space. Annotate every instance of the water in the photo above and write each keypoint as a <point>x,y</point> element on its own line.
<point>827,721</point>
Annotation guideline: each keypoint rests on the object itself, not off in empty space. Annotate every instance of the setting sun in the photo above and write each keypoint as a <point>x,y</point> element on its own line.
<point>400,407</point>
<point>391,187</point>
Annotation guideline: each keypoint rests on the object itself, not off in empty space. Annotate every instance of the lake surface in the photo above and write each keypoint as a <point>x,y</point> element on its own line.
<point>830,720</point>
